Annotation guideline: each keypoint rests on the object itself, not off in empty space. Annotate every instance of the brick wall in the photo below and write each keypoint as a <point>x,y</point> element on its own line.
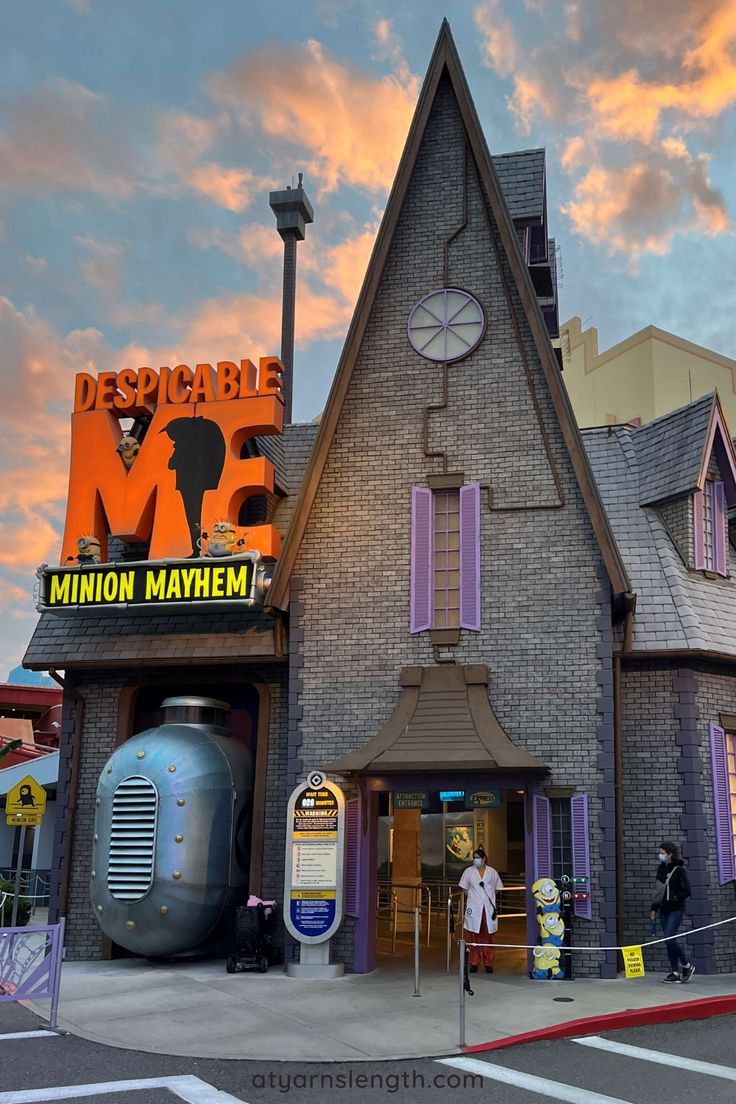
<point>545,619</point>
<point>667,789</point>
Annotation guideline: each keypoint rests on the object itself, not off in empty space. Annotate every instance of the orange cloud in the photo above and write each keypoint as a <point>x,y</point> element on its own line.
<point>629,106</point>
<point>530,97</point>
<point>351,124</point>
<point>573,154</point>
<point>498,48</point>
<point>342,266</point>
<point>639,208</point>
<point>628,123</point>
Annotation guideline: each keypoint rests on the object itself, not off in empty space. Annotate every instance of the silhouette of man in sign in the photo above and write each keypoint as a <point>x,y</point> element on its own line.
<point>198,459</point>
<point>26,796</point>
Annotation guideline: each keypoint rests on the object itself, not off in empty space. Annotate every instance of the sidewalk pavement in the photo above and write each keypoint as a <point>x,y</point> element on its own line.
<point>198,1010</point>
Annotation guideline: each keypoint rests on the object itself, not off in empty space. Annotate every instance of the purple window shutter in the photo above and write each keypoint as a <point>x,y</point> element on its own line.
<point>470,556</point>
<point>542,832</point>
<point>722,805</point>
<point>581,850</point>
<point>698,531</point>
<point>720,529</point>
<point>352,850</point>
<point>421,559</point>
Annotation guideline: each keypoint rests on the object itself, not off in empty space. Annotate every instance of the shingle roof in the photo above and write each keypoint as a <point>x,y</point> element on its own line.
<point>521,176</point>
<point>675,608</point>
<point>132,639</point>
<point>670,451</point>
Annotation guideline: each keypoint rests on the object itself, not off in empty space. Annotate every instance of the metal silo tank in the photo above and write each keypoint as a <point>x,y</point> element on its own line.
<point>172,825</point>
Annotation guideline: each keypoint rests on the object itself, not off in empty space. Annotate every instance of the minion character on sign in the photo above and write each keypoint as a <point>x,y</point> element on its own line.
<point>546,964</point>
<point>88,550</point>
<point>222,540</point>
<point>128,448</point>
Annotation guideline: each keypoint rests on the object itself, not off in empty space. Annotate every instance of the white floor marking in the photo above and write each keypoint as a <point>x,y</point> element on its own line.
<point>674,1061</point>
<point>552,1090</point>
<point>27,1035</point>
<point>188,1088</point>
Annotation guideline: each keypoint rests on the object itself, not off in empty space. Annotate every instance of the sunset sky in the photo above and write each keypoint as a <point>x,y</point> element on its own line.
<point>139,140</point>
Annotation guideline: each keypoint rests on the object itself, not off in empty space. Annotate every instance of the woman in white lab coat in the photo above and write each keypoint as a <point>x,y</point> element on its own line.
<point>481,883</point>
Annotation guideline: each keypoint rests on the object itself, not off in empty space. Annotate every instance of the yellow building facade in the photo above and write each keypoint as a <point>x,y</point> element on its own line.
<point>638,379</point>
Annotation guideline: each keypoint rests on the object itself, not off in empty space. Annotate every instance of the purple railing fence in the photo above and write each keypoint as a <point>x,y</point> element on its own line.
<point>30,964</point>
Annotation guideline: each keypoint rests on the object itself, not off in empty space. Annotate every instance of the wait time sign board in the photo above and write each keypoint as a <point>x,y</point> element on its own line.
<point>315,847</point>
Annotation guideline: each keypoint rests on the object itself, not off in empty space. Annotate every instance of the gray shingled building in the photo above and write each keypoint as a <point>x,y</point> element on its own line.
<point>472,598</point>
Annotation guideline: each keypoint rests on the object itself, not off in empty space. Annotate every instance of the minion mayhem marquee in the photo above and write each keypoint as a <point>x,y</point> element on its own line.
<point>175,478</point>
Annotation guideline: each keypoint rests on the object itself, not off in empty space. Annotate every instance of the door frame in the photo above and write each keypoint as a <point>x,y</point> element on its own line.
<point>370,786</point>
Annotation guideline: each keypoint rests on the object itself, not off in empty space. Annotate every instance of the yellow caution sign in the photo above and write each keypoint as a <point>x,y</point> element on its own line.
<point>633,962</point>
<point>25,803</point>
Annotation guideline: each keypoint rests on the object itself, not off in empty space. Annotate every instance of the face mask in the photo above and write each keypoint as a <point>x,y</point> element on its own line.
<point>662,857</point>
<point>477,861</point>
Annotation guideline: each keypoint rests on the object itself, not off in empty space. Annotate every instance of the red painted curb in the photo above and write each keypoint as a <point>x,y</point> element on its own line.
<point>615,1021</point>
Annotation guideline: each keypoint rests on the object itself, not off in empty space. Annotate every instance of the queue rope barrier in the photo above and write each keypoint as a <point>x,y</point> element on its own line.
<point>682,934</point>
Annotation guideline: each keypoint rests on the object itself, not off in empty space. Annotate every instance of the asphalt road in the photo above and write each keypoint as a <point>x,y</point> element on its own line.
<point>666,1067</point>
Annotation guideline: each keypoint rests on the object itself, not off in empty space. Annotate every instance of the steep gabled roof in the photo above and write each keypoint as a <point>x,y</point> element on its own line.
<point>673,451</point>
<point>445,60</point>
<point>676,609</point>
<point>521,176</point>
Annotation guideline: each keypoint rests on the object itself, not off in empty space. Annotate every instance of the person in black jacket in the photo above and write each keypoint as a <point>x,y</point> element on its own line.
<point>669,902</point>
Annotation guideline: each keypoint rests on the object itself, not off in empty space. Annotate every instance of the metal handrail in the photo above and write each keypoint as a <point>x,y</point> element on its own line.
<point>417,887</point>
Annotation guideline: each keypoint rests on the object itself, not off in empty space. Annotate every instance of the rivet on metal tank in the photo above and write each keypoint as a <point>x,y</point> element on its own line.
<point>178,838</point>
<point>99,908</point>
<point>94,873</point>
<point>96,837</point>
<point>181,801</point>
<point>140,754</point>
<point>172,768</point>
<point>176,875</point>
<point>130,925</point>
<point>97,802</point>
<point>109,770</point>
<point>164,909</point>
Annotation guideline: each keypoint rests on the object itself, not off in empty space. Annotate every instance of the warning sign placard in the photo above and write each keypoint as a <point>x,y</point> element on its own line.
<point>25,803</point>
<point>633,962</point>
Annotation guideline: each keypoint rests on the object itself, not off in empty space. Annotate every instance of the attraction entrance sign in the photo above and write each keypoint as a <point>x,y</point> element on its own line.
<point>313,889</point>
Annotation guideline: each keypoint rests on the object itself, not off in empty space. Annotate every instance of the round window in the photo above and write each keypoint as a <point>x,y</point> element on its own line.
<point>446,325</point>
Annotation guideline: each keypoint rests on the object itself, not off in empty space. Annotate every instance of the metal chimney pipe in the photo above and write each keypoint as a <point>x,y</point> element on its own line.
<point>293,212</point>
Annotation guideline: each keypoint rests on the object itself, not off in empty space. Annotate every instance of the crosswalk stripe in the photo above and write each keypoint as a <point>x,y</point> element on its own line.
<point>191,1089</point>
<point>27,1035</point>
<point>553,1090</point>
<point>674,1061</point>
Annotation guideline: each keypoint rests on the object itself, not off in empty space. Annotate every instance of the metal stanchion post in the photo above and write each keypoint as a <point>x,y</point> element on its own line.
<point>462,992</point>
<point>448,935</point>
<point>18,871</point>
<point>416,952</point>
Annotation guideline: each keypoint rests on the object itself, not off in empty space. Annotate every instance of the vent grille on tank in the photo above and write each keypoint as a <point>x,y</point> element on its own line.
<point>132,839</point>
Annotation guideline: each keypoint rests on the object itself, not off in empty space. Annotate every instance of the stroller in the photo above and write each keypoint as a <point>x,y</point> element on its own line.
<point>253,945</point>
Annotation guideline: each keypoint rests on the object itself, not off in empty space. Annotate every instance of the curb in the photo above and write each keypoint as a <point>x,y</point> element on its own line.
<point>700,1009</point>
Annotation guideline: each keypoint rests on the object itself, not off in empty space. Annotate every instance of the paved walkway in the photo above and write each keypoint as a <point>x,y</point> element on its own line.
<point>198,1010</point>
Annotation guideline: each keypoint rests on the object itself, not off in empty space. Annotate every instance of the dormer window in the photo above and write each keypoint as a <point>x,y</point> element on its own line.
<point>710,528</point>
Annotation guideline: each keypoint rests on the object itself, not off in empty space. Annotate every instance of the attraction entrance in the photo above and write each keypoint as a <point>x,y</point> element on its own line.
<point>440,777</point>
<point>425,839</point>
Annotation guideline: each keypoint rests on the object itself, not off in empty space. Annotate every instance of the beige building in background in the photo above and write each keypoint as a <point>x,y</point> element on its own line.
<point>646,375</point>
